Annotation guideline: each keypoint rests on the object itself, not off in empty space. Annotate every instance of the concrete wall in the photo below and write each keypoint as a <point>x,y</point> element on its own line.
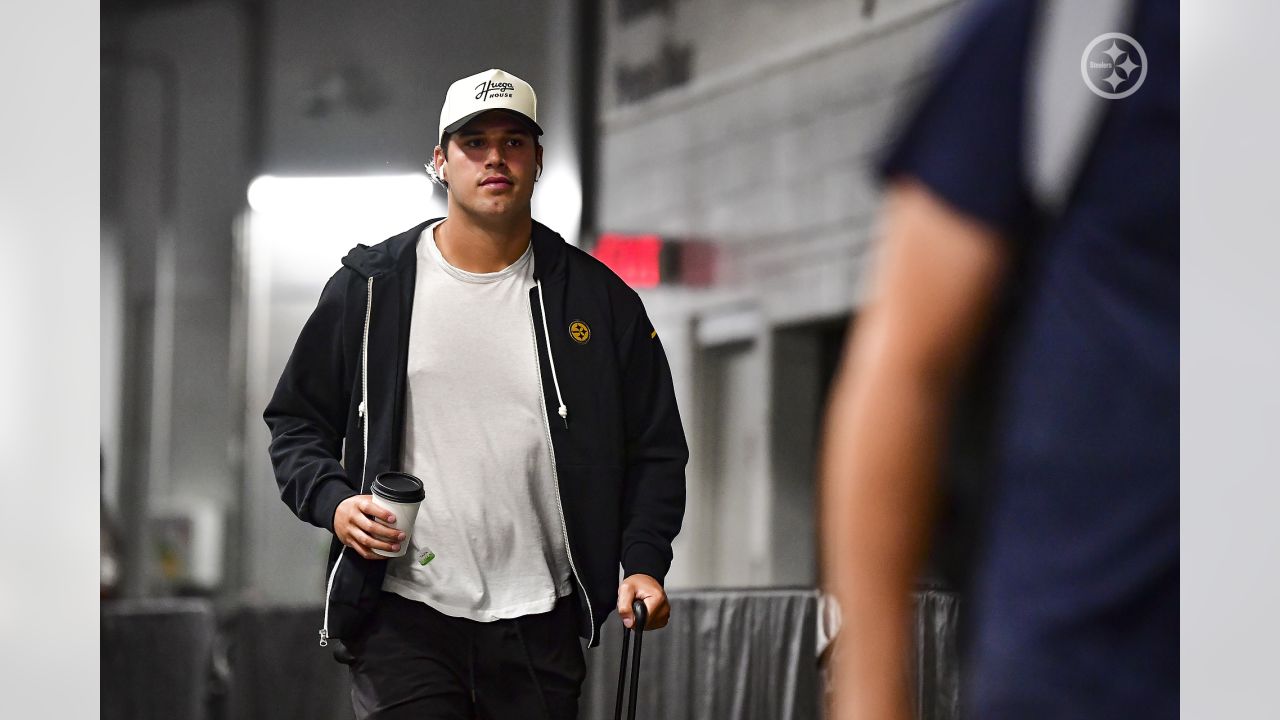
<point>756,135</point>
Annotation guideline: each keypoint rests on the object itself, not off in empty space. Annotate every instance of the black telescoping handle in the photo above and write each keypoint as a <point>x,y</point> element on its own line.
<point>641,615</point>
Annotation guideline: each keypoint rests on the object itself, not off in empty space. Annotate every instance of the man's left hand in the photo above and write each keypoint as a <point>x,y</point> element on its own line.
<point>650,591</point>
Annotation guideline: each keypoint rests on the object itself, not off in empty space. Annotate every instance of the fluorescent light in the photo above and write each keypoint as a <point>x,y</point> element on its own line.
<point>557,202</point>
<point>301,227</point>
<point>369,193</point>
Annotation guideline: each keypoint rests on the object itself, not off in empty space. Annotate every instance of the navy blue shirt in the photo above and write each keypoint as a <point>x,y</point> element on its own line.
<point>1075,600</point>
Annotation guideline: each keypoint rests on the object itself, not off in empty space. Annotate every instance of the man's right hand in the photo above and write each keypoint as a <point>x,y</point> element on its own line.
<point>354,524</point>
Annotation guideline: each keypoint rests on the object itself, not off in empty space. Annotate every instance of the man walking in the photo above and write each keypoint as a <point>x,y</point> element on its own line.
<point>523,383</point>
<point>997,222</point>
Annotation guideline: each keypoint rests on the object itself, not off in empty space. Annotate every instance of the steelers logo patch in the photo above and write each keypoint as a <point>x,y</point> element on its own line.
<point>579,331</point>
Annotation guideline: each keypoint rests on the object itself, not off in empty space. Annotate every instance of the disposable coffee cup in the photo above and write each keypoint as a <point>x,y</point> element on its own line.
<point>401,493</point>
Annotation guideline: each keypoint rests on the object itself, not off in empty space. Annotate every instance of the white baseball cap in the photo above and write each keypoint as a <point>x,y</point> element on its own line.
<point>490,90</point>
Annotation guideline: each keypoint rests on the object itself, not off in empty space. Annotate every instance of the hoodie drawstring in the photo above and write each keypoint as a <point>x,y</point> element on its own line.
<point>563,410</point>
<point>363,411</point>
<point>364,384</point>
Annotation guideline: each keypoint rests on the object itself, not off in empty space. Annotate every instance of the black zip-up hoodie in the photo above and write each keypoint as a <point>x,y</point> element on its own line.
<point>619,450</point>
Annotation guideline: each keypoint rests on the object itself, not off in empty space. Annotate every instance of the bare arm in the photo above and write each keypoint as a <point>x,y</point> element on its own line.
<point>933,287</point>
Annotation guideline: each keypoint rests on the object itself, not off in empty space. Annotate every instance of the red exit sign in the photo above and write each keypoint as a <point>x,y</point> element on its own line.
<point>635,258</point>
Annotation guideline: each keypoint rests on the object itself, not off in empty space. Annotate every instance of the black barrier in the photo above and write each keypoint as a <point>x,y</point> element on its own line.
<point>725,654</point>
<point>157,659</point>
<point>278,669</point>
<point>936,666</point>
<point>740,654</point>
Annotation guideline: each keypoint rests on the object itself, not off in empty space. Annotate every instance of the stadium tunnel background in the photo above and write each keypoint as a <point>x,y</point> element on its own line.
<point>246,145</point>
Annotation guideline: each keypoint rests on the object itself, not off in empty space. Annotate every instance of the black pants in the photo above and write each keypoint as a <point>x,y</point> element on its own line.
<point>415,663</point>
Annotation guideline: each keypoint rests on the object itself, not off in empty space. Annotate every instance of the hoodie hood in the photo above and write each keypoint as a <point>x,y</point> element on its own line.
<point>392,254</point>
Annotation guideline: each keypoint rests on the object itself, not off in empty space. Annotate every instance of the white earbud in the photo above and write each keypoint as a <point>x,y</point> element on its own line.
<point>435,173</point>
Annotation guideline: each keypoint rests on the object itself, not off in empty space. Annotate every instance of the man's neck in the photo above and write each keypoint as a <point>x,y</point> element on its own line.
<point>482,247</point>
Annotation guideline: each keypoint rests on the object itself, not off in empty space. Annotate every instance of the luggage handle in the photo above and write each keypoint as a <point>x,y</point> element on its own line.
<point>641,616</point>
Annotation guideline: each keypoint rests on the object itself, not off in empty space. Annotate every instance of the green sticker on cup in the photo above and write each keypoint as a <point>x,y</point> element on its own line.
<point>426,557</point>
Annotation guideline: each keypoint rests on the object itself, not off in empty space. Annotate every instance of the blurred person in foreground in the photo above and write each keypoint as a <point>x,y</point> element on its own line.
<point>1073,604</point>
<point>523,383</point>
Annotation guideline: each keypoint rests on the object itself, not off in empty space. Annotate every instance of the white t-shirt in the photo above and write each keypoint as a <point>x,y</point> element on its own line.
<point>475,434</point>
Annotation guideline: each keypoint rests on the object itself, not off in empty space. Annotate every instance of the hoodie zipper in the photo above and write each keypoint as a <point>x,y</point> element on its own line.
<point>546,425</point>
<point>363,411</point>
